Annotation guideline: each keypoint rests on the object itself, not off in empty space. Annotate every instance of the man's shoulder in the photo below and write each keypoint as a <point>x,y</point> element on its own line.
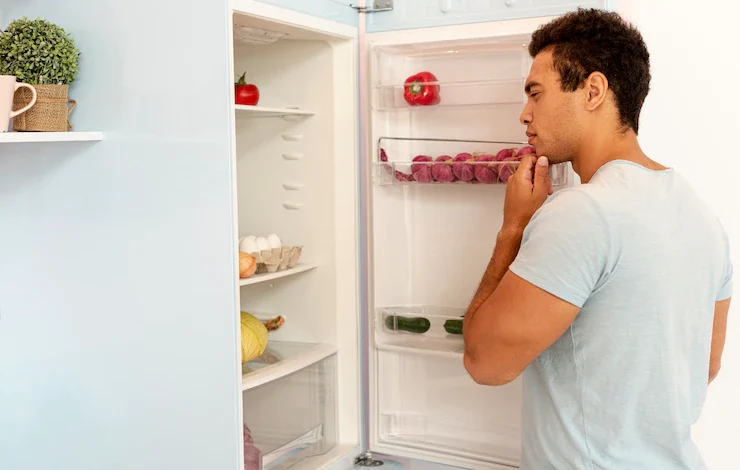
<point>575,210</point>
<point>578,201</point>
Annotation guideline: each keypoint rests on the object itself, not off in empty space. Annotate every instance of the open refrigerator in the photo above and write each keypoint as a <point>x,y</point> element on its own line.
<point>369,360</point>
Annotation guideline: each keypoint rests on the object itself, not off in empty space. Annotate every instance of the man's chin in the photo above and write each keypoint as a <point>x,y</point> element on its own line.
<point>556,160</point>
<point>553,159</point>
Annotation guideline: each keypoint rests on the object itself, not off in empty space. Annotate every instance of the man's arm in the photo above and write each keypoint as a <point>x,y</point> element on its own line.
<point>504,328</point>
<point>538,279</point>
<point>721,309</point>
<point>526,192</point>
<point>507,246</point>
<point>511,328</point>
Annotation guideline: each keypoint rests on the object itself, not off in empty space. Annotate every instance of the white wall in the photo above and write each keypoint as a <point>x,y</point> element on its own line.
<point>691,121</point>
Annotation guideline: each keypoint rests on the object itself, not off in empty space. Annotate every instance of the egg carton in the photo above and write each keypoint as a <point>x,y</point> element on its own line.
<point>277,259</point>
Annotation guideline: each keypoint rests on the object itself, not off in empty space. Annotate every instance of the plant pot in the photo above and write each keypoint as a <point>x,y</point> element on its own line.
<point>49,114</point>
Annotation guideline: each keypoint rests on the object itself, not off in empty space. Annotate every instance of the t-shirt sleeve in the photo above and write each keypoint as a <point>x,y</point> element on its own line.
<point>725,289</point>
<point>566,248</point>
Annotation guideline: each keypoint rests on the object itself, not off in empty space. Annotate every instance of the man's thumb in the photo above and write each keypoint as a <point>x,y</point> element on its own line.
<point>541,176</point>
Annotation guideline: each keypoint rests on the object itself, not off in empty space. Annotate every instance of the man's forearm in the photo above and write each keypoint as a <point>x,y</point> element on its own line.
<point>508,242</point>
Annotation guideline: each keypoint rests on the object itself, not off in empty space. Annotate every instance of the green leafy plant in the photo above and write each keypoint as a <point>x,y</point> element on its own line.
<point>38,52</point>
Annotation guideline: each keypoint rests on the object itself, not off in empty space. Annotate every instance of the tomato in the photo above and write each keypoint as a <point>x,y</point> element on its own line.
<point>246,93</point>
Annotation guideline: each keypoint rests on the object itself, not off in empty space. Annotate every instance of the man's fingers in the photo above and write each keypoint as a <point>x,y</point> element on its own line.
<point>541,177</point>
<point>525,169</point>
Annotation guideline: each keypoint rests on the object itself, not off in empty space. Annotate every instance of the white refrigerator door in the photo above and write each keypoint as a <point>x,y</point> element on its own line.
<point>427,245</point>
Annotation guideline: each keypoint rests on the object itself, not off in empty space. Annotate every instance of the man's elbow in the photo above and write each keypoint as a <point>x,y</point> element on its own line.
<point>487,372</point>
<point>714,370</point>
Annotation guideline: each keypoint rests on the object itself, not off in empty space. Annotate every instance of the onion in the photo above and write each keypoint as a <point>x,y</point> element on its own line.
<point>247,265</point>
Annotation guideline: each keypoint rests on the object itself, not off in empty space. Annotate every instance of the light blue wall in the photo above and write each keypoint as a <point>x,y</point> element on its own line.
<point>335,10</point>
<point>117,287</point>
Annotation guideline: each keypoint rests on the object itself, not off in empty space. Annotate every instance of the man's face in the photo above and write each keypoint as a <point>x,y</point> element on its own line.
<point>551,115</point>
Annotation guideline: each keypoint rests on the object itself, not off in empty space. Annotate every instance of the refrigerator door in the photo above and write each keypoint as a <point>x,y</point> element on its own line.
<point>427,244</point>
<point>409,14</point>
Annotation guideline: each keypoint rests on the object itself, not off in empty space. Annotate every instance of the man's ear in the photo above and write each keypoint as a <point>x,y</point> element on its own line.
<point>596,87</point>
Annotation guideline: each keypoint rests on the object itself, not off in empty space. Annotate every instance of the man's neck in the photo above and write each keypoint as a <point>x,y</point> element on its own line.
<point>601,150</point>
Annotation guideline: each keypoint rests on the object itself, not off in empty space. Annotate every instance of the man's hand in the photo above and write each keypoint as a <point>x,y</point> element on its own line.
<point>526,191</point>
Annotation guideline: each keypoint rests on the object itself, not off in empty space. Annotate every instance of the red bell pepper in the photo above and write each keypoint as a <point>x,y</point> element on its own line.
<point>418,92</point>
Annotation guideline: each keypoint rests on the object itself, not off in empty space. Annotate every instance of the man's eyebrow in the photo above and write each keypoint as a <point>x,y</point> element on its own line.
<point>528,87</point>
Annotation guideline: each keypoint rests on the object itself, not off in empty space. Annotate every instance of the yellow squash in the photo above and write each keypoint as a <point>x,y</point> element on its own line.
<point>254,337</point>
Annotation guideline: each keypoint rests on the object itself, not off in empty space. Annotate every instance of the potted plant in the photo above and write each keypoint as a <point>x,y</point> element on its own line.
<point>42,54</point>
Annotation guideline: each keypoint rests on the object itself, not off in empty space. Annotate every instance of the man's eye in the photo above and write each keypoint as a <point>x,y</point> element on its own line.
<point>532,95</point>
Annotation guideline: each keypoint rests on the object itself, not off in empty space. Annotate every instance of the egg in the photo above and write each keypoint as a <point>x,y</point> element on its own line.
<point>262,243</point>
<point>248,245</point>
<point>274,241</point>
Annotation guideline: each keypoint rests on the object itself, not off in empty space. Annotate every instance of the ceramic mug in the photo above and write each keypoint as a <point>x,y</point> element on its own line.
<point>8,87</point>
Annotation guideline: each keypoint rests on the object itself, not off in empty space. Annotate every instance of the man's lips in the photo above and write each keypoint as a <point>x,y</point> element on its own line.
<point>530,137</point>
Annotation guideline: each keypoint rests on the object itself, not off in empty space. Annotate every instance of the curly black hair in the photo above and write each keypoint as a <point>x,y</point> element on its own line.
<point>591,40</point>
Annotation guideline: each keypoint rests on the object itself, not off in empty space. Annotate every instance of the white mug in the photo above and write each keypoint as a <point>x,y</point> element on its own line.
<point>8,87</point>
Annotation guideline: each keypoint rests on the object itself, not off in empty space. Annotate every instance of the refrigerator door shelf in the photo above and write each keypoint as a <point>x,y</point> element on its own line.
<point>453,437</point>
<point>453,61</point>
<point>389,98</point>
<point>421,330</point>
<point>429,406</point>
<point>396,165</point>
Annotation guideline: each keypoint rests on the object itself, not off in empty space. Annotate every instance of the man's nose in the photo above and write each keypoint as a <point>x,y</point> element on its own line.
<point>526,116</point>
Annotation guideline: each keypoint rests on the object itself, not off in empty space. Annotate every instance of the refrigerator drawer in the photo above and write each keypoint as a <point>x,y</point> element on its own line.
<point>291,418</point>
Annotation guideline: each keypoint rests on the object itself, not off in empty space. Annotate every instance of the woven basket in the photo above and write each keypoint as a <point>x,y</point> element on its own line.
<point>49,114</point>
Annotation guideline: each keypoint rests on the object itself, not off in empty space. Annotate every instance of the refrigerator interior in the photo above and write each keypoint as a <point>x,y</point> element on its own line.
<point>432,234</point>
<point>288,158</point>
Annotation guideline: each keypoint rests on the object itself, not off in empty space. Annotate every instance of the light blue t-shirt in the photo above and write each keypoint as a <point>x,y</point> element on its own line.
<point>645,260</point>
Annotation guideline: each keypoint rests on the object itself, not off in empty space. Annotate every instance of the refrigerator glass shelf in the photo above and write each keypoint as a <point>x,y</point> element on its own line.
<point>280,359</point>
<point>395,163</point>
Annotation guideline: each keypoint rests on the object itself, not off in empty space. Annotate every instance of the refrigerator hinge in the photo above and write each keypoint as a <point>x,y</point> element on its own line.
<point>375,6</point>
<point>367,460</point>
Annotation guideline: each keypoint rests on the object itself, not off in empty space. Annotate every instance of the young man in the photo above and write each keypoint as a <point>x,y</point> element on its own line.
<point>611,297</point>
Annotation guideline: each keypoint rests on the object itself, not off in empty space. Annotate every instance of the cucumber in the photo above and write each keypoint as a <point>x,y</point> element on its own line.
<point>412,325</point>
<point>454,327</point>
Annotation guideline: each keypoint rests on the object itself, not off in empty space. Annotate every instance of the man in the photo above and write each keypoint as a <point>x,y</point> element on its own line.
<point>610,297</point>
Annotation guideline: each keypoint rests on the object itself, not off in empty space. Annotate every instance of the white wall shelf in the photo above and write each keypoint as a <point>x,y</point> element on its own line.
<point>291,357</point>
<point>264,112</point>
<point>38,137</point>
<point>257,278</point>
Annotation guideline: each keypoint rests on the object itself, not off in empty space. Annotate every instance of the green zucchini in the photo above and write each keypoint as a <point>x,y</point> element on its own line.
<point>411,324</point>
<point>454,327</point>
